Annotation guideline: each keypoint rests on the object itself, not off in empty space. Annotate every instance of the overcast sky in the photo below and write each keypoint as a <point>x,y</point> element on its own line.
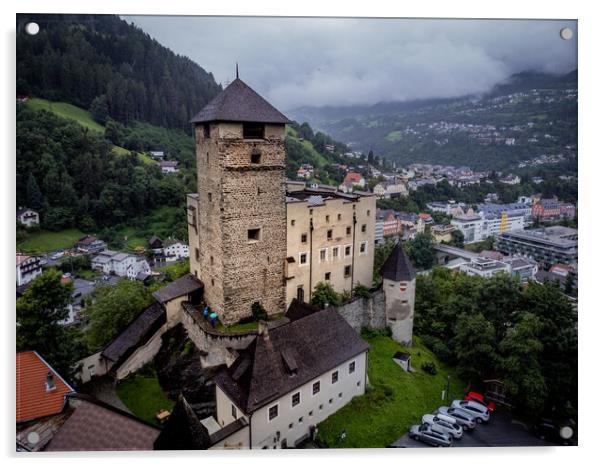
<point>324,61</point>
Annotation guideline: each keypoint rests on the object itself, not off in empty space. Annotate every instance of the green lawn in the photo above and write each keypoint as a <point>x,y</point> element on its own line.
<point>46,241</point>
<point>87,274</point>
<point>65,110</point>
<point>393,136</point>
<point>394,401</point>
<point>143,395</point>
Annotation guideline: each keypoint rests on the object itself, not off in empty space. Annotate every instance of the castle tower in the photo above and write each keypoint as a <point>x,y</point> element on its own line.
<point>399,285</point>
<point>238,233</point>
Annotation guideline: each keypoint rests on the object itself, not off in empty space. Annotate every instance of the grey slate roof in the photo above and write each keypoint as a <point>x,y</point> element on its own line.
<point>398,267</point>
<point>313,345</point>
<point>180,287</point>
<point>135,334</point>
<point>238,102</point>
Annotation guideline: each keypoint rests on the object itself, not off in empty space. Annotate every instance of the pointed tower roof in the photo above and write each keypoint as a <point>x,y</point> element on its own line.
<point>398,267</point>
<point>238,102</point>
<point>183,430</point>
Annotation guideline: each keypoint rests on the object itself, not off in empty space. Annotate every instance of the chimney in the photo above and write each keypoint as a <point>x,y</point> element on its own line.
<point>263,330</point>
<point>50,385</point>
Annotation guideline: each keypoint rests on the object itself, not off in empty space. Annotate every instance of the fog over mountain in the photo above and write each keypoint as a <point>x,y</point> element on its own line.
<point>328,61</point>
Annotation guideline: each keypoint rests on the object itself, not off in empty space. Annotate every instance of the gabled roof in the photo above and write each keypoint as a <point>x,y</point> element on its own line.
<point>34,401</point>
<point>238,102</point>
<point>183,285</point>
<point>312,345</point>
<point>135,334</point>
<point>397,267</point>
<point>97,426</point>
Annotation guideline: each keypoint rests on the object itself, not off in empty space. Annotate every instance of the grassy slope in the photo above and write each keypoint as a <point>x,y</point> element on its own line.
<point>81,116</point>
<point>46,241</point>
<point>143,395</point>
<point>375,420</point>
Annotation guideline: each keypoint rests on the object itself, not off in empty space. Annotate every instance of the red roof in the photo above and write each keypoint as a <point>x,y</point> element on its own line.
<point>33,399</point>
<point>352,177</point>
<point>21,258</point>
<point>425,216</point>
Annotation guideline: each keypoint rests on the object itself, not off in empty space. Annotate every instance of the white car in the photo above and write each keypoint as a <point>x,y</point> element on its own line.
<point>443,423</point>
<point>480,412</point>
<point>462,417</point>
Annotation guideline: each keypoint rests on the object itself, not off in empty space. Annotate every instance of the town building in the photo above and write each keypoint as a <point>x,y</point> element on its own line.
<point>519,267</point>
<point>121,264</point>
<point>168,166</point>
<point>174,250</point>
<point>390,189</point>
<point>442,232</point>
<point>90,244</point>
<point>548,245</point>
<point>351,182</point>
<point>51,416</point>
<point>330,238</point>
<point>471,226</point>
<point>157,154</point>
<point>155,244</point>
<point>552,209</point>
<point>28,268</point>
<point>28,217</point>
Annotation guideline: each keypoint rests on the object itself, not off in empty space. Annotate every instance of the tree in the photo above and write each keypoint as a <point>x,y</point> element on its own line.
<point>457,239</point>
<point>39,311</point>
<point>475,346</point>
<point>324,295</point>
<point>114,308</point>
<point>99,108</point>
<point>421,250</point>
<point>34,195</point>
<point>521,348</point>
<point>569,284</point>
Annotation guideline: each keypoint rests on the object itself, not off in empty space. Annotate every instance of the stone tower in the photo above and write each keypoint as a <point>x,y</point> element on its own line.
<point>238,243</point>
<point>399,285</point>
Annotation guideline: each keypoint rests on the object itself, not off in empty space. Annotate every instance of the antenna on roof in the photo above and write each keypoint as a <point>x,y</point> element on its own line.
<point>236,70</point>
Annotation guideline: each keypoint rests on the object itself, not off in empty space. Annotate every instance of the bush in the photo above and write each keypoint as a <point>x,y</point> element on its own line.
<point>258,312</point>
<point>437,346</point>
<point>429,367</point>
<point>361,291</point>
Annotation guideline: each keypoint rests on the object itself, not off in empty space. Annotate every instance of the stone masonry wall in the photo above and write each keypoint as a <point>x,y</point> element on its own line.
<point>236,195</point>
<point>365,312</point>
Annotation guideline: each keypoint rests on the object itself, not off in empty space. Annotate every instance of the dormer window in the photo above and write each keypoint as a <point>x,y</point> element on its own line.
<point>50,385</point>
<point>253,130</point>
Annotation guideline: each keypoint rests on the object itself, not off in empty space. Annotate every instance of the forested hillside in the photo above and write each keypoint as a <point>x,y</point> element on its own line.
<point>101,63</point>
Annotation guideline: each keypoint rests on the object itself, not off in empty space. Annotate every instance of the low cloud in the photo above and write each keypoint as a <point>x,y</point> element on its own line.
<point>327,61</point>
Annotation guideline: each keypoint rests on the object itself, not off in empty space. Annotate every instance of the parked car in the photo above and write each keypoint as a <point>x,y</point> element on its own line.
<point>480,412</point>
<point>443,423</point>
<point>479,398</point>
<point>463,418</point>
<point>57,254</point>
<point>425,434</point>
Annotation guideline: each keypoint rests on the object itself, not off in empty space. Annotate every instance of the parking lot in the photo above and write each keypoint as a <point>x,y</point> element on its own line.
<point>500,431</point>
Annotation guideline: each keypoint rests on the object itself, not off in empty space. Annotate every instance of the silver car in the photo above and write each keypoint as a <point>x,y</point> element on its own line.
<point>480,412</point>
<point>425,434</point>
<point>444,424</point>
<point>463,418</point>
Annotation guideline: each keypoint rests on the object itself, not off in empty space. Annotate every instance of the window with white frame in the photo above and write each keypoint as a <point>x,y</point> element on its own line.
<point>352,367</point>
<point>315,388</point>
<point>303,258</point>
<point>334,377</point>
<point>296,399</point>
<point>323,255</point>
<point>273,412</point>
<point>348,250</point>
<point>234,412</point>
<point>335,252</point>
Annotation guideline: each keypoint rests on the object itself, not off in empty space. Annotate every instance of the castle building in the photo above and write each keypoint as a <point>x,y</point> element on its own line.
<point>330,239</point>
<point>238,217</point>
